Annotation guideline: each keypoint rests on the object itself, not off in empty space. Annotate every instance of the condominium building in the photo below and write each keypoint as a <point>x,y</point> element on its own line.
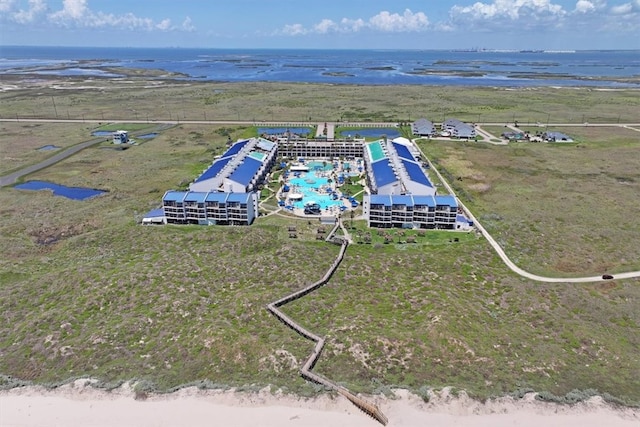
<point>401,194</point>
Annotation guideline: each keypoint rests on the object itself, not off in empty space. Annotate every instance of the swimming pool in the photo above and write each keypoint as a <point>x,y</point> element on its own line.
<point>314,189</point>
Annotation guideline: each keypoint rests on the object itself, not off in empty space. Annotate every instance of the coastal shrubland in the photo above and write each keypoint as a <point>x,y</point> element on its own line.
<point>87,292</point>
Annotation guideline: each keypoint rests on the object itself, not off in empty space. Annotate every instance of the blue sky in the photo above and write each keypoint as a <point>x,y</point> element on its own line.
<point>331,24</point>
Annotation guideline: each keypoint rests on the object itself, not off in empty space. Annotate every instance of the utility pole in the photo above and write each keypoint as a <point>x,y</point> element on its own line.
<point>54,106</point>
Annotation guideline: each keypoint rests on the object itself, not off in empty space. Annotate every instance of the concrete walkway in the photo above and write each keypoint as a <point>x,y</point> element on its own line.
<point>331,130</point>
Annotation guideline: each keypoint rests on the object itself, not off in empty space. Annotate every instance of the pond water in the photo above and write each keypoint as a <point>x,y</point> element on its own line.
<point>148,135</point>
<point>102,133</point>
<point>48,148</point>
<point>75,193</point>
<point>371,132</point>
<point>280,131</point>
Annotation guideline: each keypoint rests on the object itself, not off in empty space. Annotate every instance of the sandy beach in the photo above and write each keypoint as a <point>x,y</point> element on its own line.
<point>77,404</point>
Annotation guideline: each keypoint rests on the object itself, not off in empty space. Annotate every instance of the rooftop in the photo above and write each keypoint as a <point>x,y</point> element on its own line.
<point>383,173</point>
<point>416,173</point>
<point>403,151</point>
<point>246,171</point>
<point>214,169</point>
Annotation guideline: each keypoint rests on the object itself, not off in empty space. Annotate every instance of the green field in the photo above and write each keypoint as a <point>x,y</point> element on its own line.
<point>85,291</point>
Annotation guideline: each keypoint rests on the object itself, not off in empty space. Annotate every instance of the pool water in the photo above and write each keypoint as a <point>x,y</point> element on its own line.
<point>313,189</point>
<point>75,193</point>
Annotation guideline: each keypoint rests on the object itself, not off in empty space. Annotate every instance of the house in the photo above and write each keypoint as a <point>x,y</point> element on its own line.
<point>423,127</point>
<point>459,129</point>
<point>120,137</point>
<point>552,136</point>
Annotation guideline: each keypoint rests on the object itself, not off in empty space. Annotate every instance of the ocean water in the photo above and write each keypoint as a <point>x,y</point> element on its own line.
<point>366,67</point>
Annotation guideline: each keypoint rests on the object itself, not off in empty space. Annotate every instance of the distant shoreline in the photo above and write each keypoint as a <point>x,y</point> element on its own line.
<point>477,68</point>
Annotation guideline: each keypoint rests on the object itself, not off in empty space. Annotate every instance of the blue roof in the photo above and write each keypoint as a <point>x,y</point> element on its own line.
<point>235,148</point>
<point>246,171</point>
<point>416,173</point>
<point>239,197</point>
<point>195,196</point>
<point>383,173</point>
<point>403,151</point>
<point>155,213</point>
<point>174,196</point>
<point>424,201</point>
<point>214,169</point>
<point>402,200</point>
<point>380,199</point>
<point>216,197</point>
<point>446,201</point>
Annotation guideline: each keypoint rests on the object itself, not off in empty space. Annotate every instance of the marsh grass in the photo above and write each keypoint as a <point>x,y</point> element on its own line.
<point>86,292</point>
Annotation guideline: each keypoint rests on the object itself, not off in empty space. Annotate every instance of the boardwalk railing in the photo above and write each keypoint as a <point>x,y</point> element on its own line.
<point>367,407</point>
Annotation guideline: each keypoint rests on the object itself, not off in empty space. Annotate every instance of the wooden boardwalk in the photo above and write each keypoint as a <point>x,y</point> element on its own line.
<point>306,371</point>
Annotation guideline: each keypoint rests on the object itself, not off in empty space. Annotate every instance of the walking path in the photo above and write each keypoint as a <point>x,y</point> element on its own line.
<point>367,407</point>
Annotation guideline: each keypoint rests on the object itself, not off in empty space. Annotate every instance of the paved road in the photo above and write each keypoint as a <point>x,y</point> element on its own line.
<point>282,123</point>
<point>12,178</point>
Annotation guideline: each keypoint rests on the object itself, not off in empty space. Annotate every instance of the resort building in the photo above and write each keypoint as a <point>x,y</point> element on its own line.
<point>459,129</point>
<point>226,193</point>
<point>240,169</point>
<point>210,208</point>
<point>319,148</point>
<point>411,211</point>
<point>401,194</point>
<point>423,127</point>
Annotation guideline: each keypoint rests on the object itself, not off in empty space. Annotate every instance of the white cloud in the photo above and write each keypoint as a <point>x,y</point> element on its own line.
<point>352,25</point>
<point>6,5</point>
<point>622,9</point>
<point>509,11</point>
<point>78,14</point>
<point>585,6</point>
<point>36,9</point>
<point>383,21</point>
<point>187,24</point>
<point>325,26</point>
<point>393,22</point>
<point>294,30</point>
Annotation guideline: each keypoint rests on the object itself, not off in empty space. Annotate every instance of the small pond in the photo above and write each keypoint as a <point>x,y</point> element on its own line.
<point>147,135</point>
<point>371,132</point>
<point>102,133</point>
<point>75,193</point>
<point>280,131</point>
<point>48,147</point>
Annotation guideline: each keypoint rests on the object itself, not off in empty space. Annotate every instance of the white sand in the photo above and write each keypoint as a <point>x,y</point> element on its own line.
<point>76,405</point>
